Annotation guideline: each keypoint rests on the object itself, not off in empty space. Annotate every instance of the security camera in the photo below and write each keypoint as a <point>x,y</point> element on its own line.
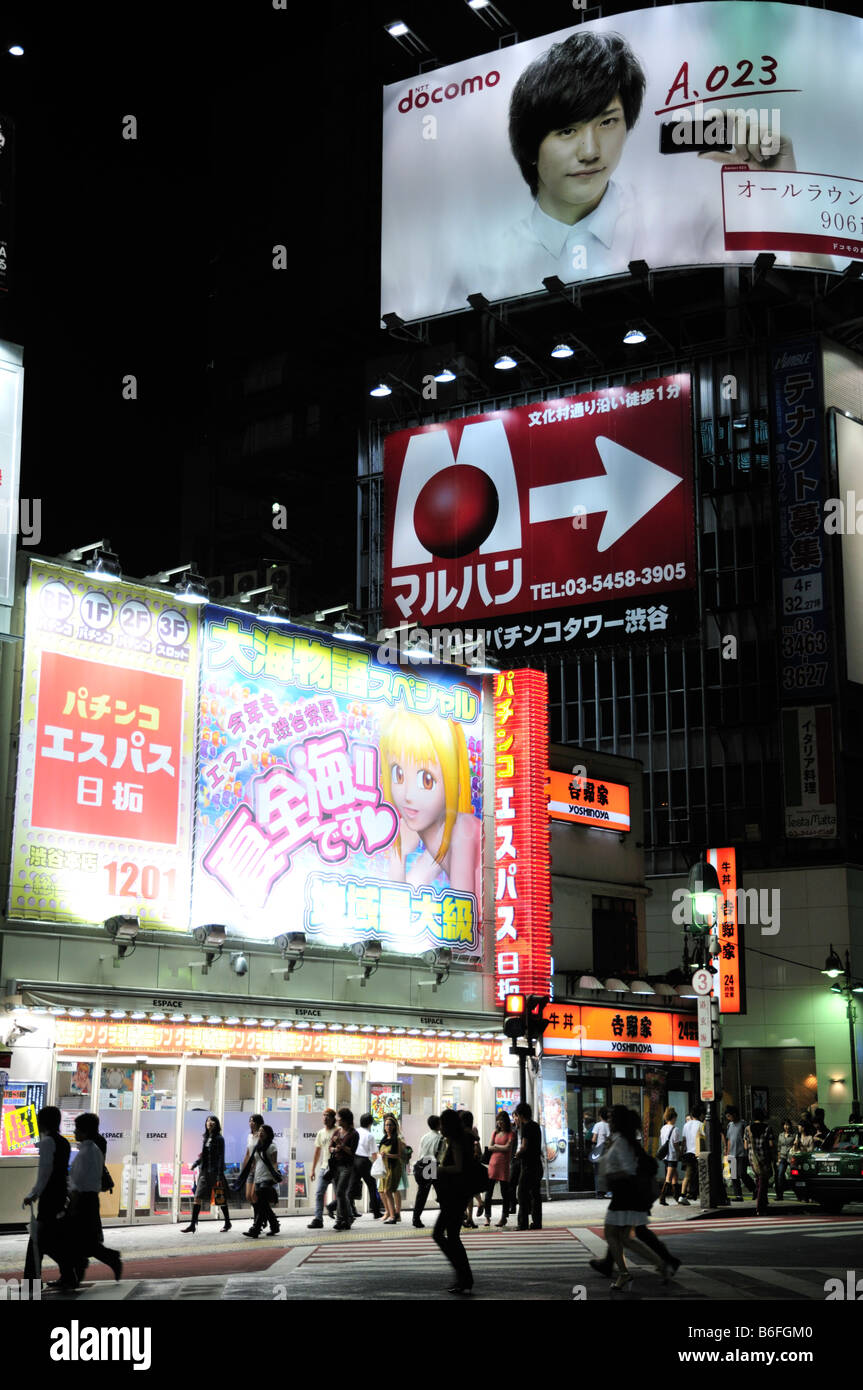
<point>239,964</point>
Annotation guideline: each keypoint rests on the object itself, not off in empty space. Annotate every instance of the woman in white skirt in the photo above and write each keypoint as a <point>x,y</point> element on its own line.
<point>625,1174</point>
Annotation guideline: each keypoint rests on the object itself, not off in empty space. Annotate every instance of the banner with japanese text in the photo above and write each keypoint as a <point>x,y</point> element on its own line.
<point>337,796</point>
<point>677,135</point>
<point>106,767</point>
<point>522,873</point>
<point>806,639</point>
<point>558,525</point>
<point>729,985</point>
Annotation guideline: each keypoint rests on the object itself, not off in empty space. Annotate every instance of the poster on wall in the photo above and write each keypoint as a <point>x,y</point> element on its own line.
<point>337,796</point>
<point>556,1129</point>
<point>558,525</point>
<point>104,797</point>
<point>678,135</point>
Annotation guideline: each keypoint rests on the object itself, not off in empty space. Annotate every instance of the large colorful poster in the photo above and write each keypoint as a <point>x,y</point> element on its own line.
<point>676,135</point>
<point>561,524</point>
<point>103,808</point>
<point>337,796</point>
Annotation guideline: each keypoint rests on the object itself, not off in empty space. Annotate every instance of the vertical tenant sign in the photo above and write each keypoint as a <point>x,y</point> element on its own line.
<point>103,808</point>
<point>521,833</point>
<point>731,984</point>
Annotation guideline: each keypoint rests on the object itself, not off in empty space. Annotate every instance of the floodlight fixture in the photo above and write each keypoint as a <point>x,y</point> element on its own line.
<point>505,363</point>
<point>103,563</point>
<point>633,336</point>
<point>193,587</point>
<point>563,350</point>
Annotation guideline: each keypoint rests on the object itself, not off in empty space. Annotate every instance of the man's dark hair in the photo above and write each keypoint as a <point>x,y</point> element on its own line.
<point>573,82</point>
<point>434,1122</point>
<point>366,1121</point>
<point>758,1116</point>
<point>346,1116</point>
<point>524,1110</point>
<point>49,1118</point>
<point>88,1124</point>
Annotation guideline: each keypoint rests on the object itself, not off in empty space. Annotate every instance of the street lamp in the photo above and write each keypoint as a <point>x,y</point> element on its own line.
<point>704,894</point>
<point>833,968</point>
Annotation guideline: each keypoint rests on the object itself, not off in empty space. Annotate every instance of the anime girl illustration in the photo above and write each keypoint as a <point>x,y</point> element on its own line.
<point>425,774</point>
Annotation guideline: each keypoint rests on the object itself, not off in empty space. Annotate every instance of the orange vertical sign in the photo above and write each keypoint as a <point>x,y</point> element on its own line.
<point>729,986</point>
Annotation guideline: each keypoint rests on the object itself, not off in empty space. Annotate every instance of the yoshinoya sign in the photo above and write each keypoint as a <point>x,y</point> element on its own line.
<point>560,524</point>
<point>679,135</point>
<point>589,801</point>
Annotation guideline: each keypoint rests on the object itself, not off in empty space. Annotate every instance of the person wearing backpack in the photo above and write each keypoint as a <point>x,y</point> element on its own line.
<point>670,1152</point>
<point>263,1163</point>
<point>632,1176</point>
<point>760,1142</point>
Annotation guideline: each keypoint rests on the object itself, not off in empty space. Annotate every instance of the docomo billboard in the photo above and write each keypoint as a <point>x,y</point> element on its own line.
<point>103,807</point>
<point>588,801</point>
<point>522,865</point>
<point>554,523</point>
<point>336,796</point>
<point>625,1032</point>
<point>584,180</point>
<point>151,1039</point>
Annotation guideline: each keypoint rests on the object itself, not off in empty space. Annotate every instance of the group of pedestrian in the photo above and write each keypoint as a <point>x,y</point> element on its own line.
<point>68,1226</point>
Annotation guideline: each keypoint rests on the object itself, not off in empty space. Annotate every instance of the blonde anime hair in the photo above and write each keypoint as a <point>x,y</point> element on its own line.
<point>425,738</point>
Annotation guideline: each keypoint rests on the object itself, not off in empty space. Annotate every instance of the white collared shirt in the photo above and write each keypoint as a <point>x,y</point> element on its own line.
<point>365,1144</point>
<point>85,1175</point>
<point>602,243</point>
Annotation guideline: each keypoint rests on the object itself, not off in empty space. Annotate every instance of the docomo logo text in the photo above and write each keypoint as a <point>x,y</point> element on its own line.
<point>418,97</point>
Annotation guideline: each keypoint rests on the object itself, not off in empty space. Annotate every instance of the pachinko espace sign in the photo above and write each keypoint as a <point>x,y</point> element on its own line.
<point>522,916</point>
<point>336,796</point>
<point>103,807</point>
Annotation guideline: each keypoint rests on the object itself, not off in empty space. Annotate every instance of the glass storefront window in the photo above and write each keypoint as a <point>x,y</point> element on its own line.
<point>199,1101</point>
<point>240,1087</point>
<point>418,1101</point>
<point>351,1090</point>
<point>312,1090</point>
<point>157,1138</point>
<point>277,1112</point>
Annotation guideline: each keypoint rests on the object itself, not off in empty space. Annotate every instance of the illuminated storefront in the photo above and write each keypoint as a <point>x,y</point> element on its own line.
<point>630,1053</point>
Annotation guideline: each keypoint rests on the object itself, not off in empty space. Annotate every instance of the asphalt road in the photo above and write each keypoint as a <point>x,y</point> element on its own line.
<point>785,1258</point>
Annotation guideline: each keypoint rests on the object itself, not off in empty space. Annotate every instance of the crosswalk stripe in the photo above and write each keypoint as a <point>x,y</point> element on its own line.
<point>783,1279</point>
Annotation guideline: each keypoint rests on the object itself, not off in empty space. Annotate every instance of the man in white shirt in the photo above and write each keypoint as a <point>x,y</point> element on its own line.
<point>693,1132</point>
<point>599,1138</point>
<point>570,113</point>
<point>321,1158</point>
<point>366,1150</point>
<point>431,1147</point>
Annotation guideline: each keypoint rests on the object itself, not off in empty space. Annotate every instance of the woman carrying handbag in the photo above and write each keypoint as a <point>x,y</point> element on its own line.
<point>263,1165</point>
<point>211,1185</point>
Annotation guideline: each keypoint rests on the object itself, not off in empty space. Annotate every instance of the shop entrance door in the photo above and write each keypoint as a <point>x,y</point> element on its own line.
<point>583,1104</point>
<point>138,1118</point>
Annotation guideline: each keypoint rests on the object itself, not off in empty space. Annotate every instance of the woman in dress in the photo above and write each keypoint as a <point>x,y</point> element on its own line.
<point>211,1185</point>
<point>500,1165</point>
<point>627,1169</point>
<point>391,1150</point>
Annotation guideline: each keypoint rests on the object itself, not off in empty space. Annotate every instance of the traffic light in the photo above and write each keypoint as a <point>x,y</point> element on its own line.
<point>515,1021</point>
<point>536,1024</point>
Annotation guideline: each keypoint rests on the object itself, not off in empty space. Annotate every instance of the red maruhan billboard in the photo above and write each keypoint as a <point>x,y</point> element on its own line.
<point>557,524</point>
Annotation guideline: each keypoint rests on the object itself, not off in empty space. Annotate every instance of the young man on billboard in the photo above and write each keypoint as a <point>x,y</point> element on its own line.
<point>569,115</point>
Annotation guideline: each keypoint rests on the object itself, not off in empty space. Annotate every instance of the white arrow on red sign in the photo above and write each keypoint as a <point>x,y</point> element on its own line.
<point>630,487</point>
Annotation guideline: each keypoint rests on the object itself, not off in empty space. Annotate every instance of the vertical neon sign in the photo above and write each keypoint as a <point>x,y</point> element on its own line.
<point>522,861</point>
